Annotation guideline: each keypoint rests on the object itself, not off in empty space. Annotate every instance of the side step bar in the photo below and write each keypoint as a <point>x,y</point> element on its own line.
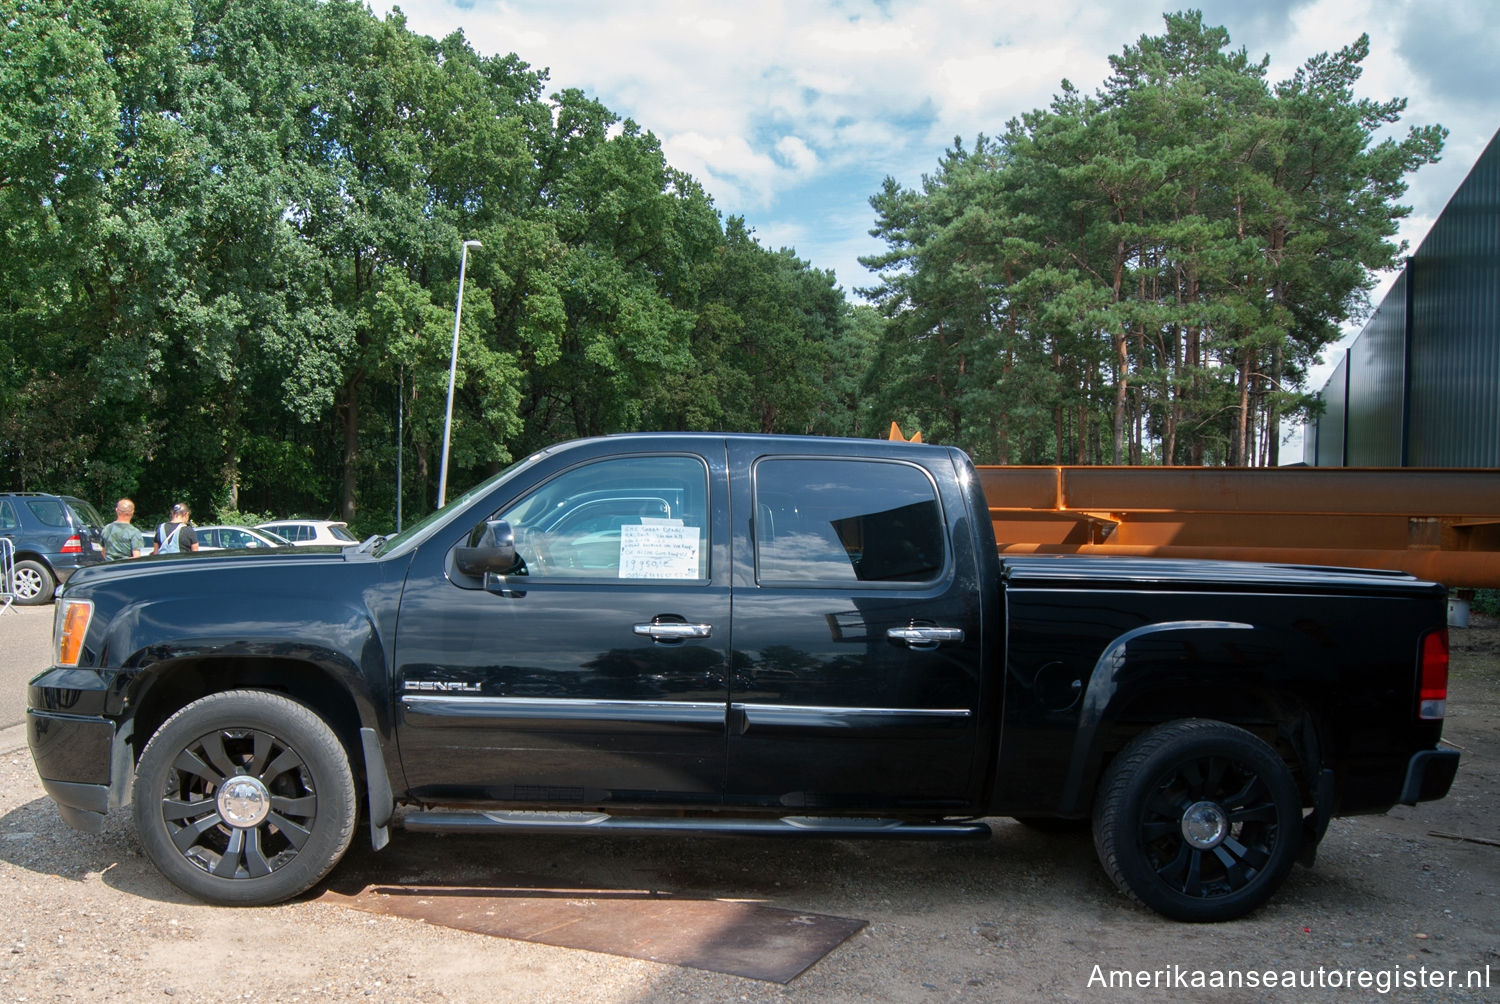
<point>600,822</point>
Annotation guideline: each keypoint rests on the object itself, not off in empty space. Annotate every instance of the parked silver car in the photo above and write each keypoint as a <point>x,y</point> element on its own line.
<point>236,538</point>
<point>312,532</point>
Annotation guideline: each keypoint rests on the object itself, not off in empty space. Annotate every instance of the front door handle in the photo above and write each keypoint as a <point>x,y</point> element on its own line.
<point>924,636</point>
<point>673,630</point>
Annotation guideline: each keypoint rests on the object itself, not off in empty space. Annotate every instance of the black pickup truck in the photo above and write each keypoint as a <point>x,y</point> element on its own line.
<point>711,634</point>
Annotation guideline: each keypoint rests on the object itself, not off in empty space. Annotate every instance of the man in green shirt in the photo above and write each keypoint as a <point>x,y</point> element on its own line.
<point>120,538</point>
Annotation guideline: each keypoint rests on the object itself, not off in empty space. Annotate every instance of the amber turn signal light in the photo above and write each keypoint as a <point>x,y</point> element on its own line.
<point>72,625</point>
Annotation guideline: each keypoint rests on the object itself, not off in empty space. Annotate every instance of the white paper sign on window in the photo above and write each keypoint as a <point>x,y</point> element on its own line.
<point>659,550</point>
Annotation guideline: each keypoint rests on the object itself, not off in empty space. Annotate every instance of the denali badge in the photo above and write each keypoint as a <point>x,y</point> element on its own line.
<point>445,686</point>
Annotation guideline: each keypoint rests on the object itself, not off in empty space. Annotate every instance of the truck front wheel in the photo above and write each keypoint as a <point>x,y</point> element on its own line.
<point>1199,820</point>
<point>244,798</point>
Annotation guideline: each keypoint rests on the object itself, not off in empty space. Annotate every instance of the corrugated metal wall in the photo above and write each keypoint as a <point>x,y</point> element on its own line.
<point>1377,386</point>
<point>1423,378</point>
<point>1330,436</point>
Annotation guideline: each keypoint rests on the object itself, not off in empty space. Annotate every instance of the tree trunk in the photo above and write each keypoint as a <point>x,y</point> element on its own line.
<point>1239,449</point>
<point>1122,363</point>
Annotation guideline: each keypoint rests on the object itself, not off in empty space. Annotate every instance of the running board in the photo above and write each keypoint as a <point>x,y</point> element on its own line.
<point>801,826</point>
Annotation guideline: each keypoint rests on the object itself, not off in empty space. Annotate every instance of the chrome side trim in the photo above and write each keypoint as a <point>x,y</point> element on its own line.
<point>775,709</point>
<point>531,708</point>
<point>875,720</point>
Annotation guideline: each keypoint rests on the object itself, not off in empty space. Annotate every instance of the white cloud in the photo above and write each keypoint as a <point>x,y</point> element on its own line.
<point>791,113</point>
<point>797,154</point>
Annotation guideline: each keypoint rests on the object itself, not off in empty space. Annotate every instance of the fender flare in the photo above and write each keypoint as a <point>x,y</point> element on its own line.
<point>1104,686</point>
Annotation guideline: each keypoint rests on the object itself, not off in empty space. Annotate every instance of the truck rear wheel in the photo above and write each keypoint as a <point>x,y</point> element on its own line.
<point>244,798</point>
<point>1199,820</point>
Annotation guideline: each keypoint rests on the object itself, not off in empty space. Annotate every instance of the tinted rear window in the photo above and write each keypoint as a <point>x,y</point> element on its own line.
<point>846,521</point>
<point>85,512</point>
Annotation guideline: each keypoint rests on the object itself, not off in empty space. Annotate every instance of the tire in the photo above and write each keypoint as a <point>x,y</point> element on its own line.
<point>1198,820</point>
<point>277,831</point>
<point>33,583</point>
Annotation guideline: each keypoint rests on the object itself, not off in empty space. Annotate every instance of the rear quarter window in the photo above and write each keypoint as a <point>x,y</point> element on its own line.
<point>49,512</point>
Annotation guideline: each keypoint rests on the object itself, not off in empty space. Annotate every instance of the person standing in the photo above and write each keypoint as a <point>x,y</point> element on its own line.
<point>120,538</point>
<point>177,535</point>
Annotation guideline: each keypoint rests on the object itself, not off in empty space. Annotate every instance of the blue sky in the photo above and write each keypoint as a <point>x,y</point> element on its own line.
<point>792,113</point>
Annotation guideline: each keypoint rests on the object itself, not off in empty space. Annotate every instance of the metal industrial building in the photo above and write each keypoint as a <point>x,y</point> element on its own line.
<point>1420,387</point>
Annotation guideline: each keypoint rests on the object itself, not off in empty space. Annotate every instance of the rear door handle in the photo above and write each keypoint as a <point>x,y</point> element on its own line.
<point>924,636</point>
<point>673,630</point>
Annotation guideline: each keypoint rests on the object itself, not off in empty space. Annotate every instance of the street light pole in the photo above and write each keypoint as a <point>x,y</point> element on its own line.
<point>458,313</point>
<point>400,422</point>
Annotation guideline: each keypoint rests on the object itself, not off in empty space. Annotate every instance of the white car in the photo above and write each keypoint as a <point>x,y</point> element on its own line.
<point>234,538</point>
<point>312,532</point>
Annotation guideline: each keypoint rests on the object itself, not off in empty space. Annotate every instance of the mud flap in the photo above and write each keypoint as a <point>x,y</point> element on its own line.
<point>378,790</point>
<point>1315,823</point>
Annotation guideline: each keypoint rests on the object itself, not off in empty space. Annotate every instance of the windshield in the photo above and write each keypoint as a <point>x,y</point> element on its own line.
<point>419,530</point>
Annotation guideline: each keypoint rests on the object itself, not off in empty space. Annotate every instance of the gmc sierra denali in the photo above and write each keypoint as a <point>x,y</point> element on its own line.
<point>696,634</point>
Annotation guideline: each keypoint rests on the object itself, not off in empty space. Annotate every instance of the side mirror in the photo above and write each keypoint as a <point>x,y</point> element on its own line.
<point>493,552</point>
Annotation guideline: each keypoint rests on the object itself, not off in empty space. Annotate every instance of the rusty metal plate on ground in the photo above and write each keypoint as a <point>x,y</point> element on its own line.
<point>722,936</point>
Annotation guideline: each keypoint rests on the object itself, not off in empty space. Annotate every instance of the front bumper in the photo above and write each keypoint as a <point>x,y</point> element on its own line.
<point>79,753</point>
<point>75,758</point>
<point>1429,775</point>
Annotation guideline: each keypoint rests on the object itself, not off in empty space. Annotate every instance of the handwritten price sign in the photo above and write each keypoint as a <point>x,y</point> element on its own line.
<point>658,551</point>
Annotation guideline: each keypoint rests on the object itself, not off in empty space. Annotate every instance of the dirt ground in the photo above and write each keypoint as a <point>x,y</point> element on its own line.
<point>1020,916</point>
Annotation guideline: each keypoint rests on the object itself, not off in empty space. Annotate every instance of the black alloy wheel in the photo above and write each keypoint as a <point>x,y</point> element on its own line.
<point>1199,820</point>
<point>244,798</point>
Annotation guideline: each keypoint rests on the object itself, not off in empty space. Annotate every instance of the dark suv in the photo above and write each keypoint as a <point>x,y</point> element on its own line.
<point>52,535</point>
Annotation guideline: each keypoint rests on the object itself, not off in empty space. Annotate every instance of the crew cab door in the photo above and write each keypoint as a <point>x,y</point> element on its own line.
<point>856,682</point>
<point>595,671</point>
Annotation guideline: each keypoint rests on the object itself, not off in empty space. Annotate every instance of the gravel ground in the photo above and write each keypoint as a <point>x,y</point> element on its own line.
<point>1022,915</point>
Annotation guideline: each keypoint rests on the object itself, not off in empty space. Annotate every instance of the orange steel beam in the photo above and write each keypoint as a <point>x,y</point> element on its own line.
<point>1441,524</point>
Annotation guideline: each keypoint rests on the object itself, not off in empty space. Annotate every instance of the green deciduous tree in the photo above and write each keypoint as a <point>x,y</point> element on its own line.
<point>229,249</point>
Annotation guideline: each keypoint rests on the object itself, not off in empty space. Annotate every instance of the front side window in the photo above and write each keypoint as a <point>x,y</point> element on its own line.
<point>840,521</point>
<point>624,518</point>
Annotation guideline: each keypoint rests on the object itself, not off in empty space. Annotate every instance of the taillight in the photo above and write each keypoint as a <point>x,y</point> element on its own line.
<point>1433,690</point>
<point>73,545</point>
<point>72,625</point>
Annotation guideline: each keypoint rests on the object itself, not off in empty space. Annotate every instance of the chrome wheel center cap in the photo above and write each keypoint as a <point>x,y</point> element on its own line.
<point>1204,825</point>
<point>244,801</point>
